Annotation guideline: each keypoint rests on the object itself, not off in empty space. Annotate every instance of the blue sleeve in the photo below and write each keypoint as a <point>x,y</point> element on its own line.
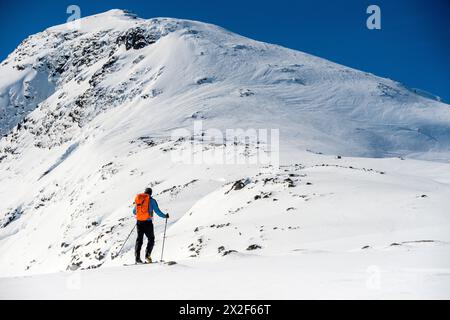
<point>156,209</point>
<point>134,210</point>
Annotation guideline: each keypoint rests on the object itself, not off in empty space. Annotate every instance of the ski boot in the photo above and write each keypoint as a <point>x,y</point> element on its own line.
<point>148,259</point>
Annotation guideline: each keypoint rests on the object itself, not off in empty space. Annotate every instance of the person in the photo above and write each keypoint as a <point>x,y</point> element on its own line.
<point>144,207</point>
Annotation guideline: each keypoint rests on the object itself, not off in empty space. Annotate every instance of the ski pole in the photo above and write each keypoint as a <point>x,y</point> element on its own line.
<point>164,240</point>
<point>126,240</point>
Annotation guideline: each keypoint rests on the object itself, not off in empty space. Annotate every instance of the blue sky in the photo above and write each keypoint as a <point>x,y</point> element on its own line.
<point>412,47</point>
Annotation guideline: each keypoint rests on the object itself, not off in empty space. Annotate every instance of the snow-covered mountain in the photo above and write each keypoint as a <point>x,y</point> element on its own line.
<point>56,82</point>
<point>86,116</point>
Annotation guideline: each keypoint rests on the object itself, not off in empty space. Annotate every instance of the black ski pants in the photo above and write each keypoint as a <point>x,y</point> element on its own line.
<point>145,227</point>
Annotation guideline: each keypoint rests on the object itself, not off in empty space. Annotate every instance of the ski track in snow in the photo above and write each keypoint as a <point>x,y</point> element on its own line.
<point>86,118</point>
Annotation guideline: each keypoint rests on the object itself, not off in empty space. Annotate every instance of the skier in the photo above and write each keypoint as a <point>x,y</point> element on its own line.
<point>145,205</point>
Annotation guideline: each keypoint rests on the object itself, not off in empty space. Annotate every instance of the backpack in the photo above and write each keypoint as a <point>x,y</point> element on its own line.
<point>142,202</point>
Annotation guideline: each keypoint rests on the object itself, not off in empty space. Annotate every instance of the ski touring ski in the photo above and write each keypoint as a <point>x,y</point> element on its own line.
<point>169,263</point>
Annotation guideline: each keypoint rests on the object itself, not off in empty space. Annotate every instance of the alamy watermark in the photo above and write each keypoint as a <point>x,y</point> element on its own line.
<point>229,147</point>
<point>74,281</point>
<point>374,20</point>
<point>73,21</point>
<point>373,280</point>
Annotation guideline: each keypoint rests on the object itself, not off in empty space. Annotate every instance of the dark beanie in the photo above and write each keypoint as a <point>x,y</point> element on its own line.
<point>148,191</point>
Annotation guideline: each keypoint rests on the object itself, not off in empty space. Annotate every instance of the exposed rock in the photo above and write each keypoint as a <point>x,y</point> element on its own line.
<point>136,38</point>
<point>253,247</point>
<point>225,253</point>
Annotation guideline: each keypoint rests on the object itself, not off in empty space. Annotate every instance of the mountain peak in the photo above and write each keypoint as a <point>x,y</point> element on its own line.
<point>114,13</point>
<point>111,19</point>
<point>117,12</point>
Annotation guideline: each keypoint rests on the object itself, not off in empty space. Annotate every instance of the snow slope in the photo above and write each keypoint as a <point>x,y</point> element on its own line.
<point>86,117</point>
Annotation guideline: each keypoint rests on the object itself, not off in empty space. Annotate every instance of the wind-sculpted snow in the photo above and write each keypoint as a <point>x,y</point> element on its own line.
<point>87,117</point>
